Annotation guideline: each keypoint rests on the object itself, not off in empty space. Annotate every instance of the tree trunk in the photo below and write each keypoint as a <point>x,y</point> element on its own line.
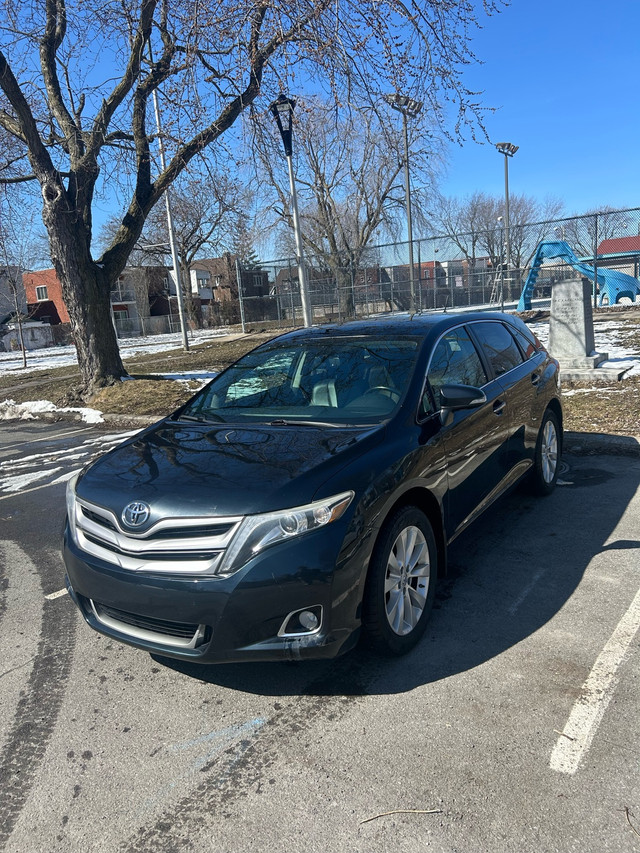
<point>345,293</point>
<point>86,290</point>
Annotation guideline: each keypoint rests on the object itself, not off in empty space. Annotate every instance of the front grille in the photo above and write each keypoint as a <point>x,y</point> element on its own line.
<point>177,556</point>
<point>183,635</point>
<point>98,519</point>
<point>172,545</point>
<point>187,532</point>
<point>158,626</point>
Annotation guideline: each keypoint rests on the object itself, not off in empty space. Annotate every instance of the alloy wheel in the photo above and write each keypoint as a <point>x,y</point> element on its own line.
<point>407,580</point>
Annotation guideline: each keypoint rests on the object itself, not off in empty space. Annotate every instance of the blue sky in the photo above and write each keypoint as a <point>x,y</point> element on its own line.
<point>564,75</point>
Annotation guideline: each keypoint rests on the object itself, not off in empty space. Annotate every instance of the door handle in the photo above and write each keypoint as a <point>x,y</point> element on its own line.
<point>498,407</point>
<point>535,378</point>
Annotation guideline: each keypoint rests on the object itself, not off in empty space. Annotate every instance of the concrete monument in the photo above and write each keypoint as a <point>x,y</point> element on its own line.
<point>571,338</point>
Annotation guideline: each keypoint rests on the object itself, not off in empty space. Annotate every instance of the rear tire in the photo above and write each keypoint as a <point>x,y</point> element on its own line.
<point>401,582</point>
<point>546,464</point>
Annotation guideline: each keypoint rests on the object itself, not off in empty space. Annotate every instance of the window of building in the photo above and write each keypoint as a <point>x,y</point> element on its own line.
<point>41,293</point>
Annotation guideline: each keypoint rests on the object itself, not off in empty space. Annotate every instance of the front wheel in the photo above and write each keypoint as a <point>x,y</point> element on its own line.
<point>546,464</point>
<point>401,582</point>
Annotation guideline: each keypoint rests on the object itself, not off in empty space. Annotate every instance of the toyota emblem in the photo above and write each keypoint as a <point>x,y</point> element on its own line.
<point>136,514</point>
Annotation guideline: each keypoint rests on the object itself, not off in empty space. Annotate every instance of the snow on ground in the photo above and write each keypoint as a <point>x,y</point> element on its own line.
<point>610,337</point>
<point>45,359</point>
<point>54,466</point>
<point>10,410</point>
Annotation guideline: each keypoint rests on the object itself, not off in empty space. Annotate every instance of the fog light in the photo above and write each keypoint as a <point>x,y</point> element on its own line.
<point>300,623</point>
<point>308,620</point>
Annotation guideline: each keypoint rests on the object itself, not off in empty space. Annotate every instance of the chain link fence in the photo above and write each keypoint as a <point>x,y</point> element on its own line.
<point>468,270</point>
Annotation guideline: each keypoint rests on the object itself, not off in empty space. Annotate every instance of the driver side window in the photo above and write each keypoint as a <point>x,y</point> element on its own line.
<point>455,360</point>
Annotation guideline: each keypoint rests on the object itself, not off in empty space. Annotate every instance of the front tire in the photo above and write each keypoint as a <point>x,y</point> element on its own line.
<point>401,583</point>
<point>546,464</point>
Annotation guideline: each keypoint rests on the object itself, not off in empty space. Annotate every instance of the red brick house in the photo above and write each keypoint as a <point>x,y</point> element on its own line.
<point>44,296</point>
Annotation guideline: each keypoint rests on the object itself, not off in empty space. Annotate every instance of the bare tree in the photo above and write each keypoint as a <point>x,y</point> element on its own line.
<point>349,173</point>
<point>21,248</point>
<point>77,79</point>
<point>205,210</point>
<point>584,233</point>
<point>475,225</point>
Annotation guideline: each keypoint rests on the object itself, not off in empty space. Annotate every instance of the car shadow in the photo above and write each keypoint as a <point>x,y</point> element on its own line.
<point>509,574</point>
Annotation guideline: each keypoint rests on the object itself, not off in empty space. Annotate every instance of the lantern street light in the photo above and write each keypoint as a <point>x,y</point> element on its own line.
<point>409,109</point>
<point>508,149</point>
<point>282,109</point>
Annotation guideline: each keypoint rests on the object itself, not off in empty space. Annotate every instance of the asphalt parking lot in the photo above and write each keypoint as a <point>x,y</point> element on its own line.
<point>511,727</point>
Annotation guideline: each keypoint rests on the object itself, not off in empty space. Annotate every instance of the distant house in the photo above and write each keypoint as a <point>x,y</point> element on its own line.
<point>621,253</point>
<point>214,282</point>
<point>44,297</point>
<point>138,298</point>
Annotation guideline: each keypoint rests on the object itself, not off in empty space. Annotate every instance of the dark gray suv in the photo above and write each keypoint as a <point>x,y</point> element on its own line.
<point>309,492</point>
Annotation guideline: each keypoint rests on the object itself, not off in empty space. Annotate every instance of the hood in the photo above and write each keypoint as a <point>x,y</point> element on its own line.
<point>199,469</point>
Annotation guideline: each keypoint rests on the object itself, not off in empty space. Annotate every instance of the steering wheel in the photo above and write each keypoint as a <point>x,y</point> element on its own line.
<point>391,392</point>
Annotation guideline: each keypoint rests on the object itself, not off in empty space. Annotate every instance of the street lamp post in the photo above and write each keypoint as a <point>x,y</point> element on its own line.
<point>508,149</point>
<point>282,109</point>
<point>409,109</point>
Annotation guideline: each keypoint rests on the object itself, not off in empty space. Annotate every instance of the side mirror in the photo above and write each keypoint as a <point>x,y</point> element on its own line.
<point>453,398</point>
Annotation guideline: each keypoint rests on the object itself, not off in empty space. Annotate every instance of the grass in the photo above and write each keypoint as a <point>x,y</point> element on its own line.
<point>604,408</point>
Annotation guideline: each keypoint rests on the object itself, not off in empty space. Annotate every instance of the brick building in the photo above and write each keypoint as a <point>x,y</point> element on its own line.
<point>43,291</point>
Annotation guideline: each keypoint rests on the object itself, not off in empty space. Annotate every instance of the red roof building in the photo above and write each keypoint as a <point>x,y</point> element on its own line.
<point>620,246</point>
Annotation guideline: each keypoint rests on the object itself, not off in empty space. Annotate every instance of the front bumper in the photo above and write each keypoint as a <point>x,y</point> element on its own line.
<point>232,619</point>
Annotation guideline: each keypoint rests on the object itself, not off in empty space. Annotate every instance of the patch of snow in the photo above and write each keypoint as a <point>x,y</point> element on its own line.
<point>22,481</point>
<point>66,356</point>
<point>10,410</point>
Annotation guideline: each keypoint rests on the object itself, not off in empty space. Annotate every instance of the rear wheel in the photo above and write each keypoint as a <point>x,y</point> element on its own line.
<point>547,458</point>
<point>401,582</point>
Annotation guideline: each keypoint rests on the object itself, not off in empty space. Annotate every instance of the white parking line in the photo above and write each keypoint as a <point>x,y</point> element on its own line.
<point>58,594</point>
<point>596,694</point>
<point>53,437</point>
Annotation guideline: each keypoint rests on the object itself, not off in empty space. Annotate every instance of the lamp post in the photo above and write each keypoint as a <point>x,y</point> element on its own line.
<point>508,149</point>
<point>282,109</point>
<point>502,261</point>
<point>409,109</point>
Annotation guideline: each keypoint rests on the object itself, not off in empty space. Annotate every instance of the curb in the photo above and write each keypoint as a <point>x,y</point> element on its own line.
<point>587,443</point>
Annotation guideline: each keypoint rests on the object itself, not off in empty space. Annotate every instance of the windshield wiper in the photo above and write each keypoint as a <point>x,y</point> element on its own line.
<point>202,419</point>
<point>282,422</point>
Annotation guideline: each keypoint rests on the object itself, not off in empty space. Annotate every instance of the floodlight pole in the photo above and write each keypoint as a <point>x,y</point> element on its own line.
<point>508,149</point>
<point>409,108</point>
<point>282,110</point>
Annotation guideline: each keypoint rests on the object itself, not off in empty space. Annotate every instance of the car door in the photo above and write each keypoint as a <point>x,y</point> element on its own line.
<point>518,375</point>
<point>474,439</point>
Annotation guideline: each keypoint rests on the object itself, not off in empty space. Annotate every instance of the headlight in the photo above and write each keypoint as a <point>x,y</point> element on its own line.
<point>258,532</point>
<point>71,504</point>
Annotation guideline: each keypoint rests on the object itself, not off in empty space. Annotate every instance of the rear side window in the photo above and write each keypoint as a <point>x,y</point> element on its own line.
<point>525,344</point>
<point>455,360</point>
<point>499,346</point>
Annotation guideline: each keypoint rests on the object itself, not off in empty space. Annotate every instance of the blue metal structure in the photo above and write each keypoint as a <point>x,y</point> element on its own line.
<point>613,284</point>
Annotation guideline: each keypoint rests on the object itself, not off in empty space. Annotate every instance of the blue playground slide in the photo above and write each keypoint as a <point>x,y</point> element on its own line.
<point>613,284</point>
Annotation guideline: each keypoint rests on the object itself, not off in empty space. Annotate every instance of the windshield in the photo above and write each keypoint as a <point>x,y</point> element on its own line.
<point>334,381</point>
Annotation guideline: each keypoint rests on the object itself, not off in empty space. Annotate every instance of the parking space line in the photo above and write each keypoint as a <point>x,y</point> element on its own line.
<point>58,594</point>
<point>595,695</point>
<point>54,437</point>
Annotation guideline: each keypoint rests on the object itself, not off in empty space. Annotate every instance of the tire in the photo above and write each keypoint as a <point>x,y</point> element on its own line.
<point>401,582</point>
<point>546,463</point>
